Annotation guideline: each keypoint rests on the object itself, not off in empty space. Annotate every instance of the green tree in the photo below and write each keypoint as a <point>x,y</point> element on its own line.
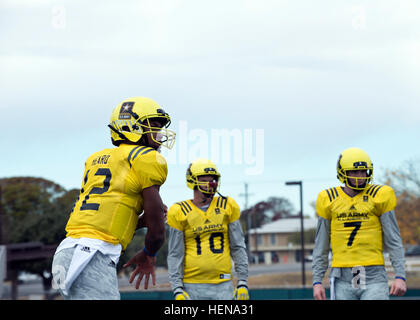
<point>35,210</point>
<point>272,209</point>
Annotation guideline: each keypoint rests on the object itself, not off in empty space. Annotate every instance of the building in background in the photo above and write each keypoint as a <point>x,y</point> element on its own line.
<point>275,242</point>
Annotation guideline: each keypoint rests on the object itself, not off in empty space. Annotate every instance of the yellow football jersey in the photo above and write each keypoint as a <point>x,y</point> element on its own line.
<point>356,232</point>
<point>110,199</point>
<point>206,237</point>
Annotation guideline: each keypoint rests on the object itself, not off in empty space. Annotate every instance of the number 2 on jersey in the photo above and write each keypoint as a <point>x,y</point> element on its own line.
<point>100,172</point>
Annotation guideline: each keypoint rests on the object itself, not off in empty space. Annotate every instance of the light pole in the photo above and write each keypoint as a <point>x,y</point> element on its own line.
<point>302,239</point>
<point>248,221</point>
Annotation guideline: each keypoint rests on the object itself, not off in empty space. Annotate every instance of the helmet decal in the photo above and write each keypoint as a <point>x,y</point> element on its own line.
<point>126,110</point>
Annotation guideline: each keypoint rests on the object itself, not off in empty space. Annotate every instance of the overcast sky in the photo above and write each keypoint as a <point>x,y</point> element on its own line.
<point>271,90</point>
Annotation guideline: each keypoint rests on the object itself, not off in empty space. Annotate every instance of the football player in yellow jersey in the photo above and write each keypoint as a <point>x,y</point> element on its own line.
<point>358,220</point>
<point>204,235</point>
<point>118,185</point>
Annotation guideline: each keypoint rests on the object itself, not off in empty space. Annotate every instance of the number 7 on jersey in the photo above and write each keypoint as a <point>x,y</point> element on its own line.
<point>356,225</point>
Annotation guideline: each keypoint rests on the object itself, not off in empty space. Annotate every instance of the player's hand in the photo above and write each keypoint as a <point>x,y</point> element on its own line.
<point>398,288</point>
<point>319,292</point>
<point>180,294</point>
<point>145,268</point>
<point>241,293</point>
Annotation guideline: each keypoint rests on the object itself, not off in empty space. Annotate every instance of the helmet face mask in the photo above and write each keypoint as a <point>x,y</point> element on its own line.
<point>132,120</point>
<point>202,175</point>
<point>208,187</point>
<point>350,164</point>
<point>160,135</point>
<point>355,181</point>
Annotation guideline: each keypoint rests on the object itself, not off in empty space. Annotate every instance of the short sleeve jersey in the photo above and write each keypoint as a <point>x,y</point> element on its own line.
<point>206,237</point>
<point>110,199</point>
<point>356,232</point>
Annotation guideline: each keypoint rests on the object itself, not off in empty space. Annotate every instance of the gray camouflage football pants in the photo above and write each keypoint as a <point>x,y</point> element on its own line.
<point>97,281</point>
<point>372,291</point>
<point>210,291</point>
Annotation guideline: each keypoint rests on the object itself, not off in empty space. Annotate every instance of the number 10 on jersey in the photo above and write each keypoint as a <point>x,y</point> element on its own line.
<point>212,241</point>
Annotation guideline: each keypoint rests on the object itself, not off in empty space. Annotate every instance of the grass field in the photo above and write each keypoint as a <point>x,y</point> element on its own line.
<point>290,280</point>
<point>287,280</point>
